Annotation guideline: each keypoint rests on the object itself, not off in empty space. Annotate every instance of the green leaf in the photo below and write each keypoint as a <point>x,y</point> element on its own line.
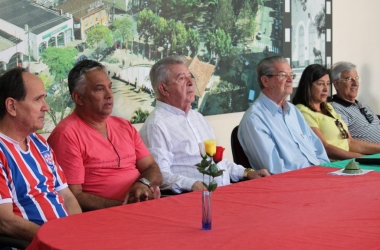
<point>213,170</point>
<point>219,173</point>
<point>202,170</point>
<point>205,163</point>
<point>212,186</point>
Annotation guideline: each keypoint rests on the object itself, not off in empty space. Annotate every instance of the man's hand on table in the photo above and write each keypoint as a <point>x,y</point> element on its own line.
<point>197,186</point>
<point>258,174</point>
<point>141,192</point>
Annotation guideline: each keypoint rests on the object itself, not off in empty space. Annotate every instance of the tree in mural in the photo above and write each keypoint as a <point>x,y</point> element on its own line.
<point>122,29</point>
<point>144,26</point>
<point>58,98</point>
<point>218,44</point>
<point>193,41</point>
<point>97,37</point>
<point>320,22</point>
<point>178,8</point>
<point>59,60</point>
<point>139,116</point>
<point>225,17</point>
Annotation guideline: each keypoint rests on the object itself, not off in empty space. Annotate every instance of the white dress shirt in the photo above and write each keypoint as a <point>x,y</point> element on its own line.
<point>172,136</point>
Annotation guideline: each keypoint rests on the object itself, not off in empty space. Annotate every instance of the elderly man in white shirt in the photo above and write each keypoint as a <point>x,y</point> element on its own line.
<point>173,131</point>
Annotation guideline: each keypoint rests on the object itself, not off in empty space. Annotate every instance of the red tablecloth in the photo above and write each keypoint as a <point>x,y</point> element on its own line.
<point>303,209</point>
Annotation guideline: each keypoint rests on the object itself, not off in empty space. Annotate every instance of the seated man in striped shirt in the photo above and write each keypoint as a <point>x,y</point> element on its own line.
<point>173,130</point>
<point>33,188</point>
<point>361,121</point>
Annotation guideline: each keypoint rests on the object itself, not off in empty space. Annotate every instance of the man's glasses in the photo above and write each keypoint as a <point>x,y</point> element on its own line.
<point>369,117</point>
<point>283,75</point>
<point>350,79</point>
<point>341,129</point>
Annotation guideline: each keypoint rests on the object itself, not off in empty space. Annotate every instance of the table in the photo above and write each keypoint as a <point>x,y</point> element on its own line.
<point>343,163</point>
<point>302,209</point>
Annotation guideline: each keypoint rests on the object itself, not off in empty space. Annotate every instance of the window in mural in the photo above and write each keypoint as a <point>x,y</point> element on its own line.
<point>222,41</point>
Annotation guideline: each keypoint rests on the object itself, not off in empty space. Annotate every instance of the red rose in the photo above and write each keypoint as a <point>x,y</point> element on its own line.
<point>219,154</point>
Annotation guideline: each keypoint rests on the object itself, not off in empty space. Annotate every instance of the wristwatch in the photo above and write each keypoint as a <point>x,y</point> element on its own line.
<point>144,181</point>
<point>246,171</point>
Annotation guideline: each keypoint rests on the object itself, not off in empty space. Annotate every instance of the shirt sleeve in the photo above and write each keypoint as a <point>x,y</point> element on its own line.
<point>5,193</point>
<point>255,138</point>
<point>159,144</point>
<point>235,171</point>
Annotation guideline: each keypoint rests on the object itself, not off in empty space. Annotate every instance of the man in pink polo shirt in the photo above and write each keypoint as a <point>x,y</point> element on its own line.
<point>103,157</point>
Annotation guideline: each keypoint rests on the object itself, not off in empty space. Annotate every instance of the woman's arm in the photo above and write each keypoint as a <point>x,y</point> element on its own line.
<point>334,152</point>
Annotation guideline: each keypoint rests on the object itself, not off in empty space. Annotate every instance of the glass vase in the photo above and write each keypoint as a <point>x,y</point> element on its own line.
<point>206,210</point>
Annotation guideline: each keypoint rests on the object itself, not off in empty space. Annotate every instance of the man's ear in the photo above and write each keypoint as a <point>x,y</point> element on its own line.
<point>335,83</point>
<point>11,106</point>
<point>162,88</point>
<point>77,98</point>
<point>264,81</point>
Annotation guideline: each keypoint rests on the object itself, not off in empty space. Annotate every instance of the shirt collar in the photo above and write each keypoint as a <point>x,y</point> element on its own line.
<point>170,108</point>
<point>339,100</point>
<point>272,106</point>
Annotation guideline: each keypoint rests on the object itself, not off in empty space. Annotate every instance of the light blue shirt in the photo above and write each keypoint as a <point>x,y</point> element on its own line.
<point>278,140</point>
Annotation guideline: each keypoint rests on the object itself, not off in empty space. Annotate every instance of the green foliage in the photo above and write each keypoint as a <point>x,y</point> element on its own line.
<point>207,167</point>
<point>122,29</point>
<point>97,36</point>
<point>193,40</point>
<point>225,17</point>
<point>139,116</point>
<point>320,22</point>
<point>59,60</point>
<point>46,80</point>
<point>251,28</point>
<point>145,23</point>
<point>218,43</point>
<point>177,8</point>
<point>223,43</point>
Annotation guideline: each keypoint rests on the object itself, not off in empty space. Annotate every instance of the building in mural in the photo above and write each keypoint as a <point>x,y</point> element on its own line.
<point>86,14</point>
<point>31,28</point>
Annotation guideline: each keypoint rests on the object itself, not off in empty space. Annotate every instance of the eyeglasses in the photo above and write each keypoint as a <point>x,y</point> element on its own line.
<point>369,117</point>
<point>341,129</point>
<point>283,75</point>
<point>350,79</point>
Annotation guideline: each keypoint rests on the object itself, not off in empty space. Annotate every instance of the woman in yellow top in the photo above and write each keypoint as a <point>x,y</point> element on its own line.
<point>311,100</point>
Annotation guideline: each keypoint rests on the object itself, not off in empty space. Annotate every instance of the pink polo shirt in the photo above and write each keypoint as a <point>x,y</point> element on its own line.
<point>104,167</point>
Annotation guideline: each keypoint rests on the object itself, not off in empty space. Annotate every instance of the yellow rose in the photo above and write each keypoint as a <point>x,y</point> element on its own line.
<point>210,146</point>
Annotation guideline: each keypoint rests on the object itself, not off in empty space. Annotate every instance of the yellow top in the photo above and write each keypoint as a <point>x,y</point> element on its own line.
<point>326,125</point>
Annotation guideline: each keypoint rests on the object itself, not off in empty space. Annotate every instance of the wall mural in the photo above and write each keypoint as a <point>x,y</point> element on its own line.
<point>222,40</point>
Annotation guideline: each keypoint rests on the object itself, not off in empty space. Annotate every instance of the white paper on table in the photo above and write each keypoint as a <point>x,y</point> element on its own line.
<point>340,172</point>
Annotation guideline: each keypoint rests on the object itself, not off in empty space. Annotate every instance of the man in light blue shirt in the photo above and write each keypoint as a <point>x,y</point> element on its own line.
<point>273,133</point>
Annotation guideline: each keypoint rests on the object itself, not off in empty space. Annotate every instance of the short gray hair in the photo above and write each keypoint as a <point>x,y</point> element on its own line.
<point>76,78</point>
<point>340,67</point>
<point>266,67</point>
<point>160,71</point>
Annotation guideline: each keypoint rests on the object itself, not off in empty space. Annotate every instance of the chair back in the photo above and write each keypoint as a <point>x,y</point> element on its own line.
<point>237,151</point>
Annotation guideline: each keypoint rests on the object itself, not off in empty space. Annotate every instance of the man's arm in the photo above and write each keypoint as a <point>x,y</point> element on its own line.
<point>14,225</point>
<point>89,202</point>
<point>149,170</point>
<point>70,201</point>
<point>259,146</point>
<point>158,142</point>
<point>332,151</point>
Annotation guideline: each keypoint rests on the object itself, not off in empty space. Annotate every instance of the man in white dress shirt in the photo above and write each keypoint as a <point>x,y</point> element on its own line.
<point>173,130</point>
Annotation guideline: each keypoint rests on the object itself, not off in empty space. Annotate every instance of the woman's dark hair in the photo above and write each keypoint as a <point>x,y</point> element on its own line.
<point>11,85</point>
<point>303,95</point>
